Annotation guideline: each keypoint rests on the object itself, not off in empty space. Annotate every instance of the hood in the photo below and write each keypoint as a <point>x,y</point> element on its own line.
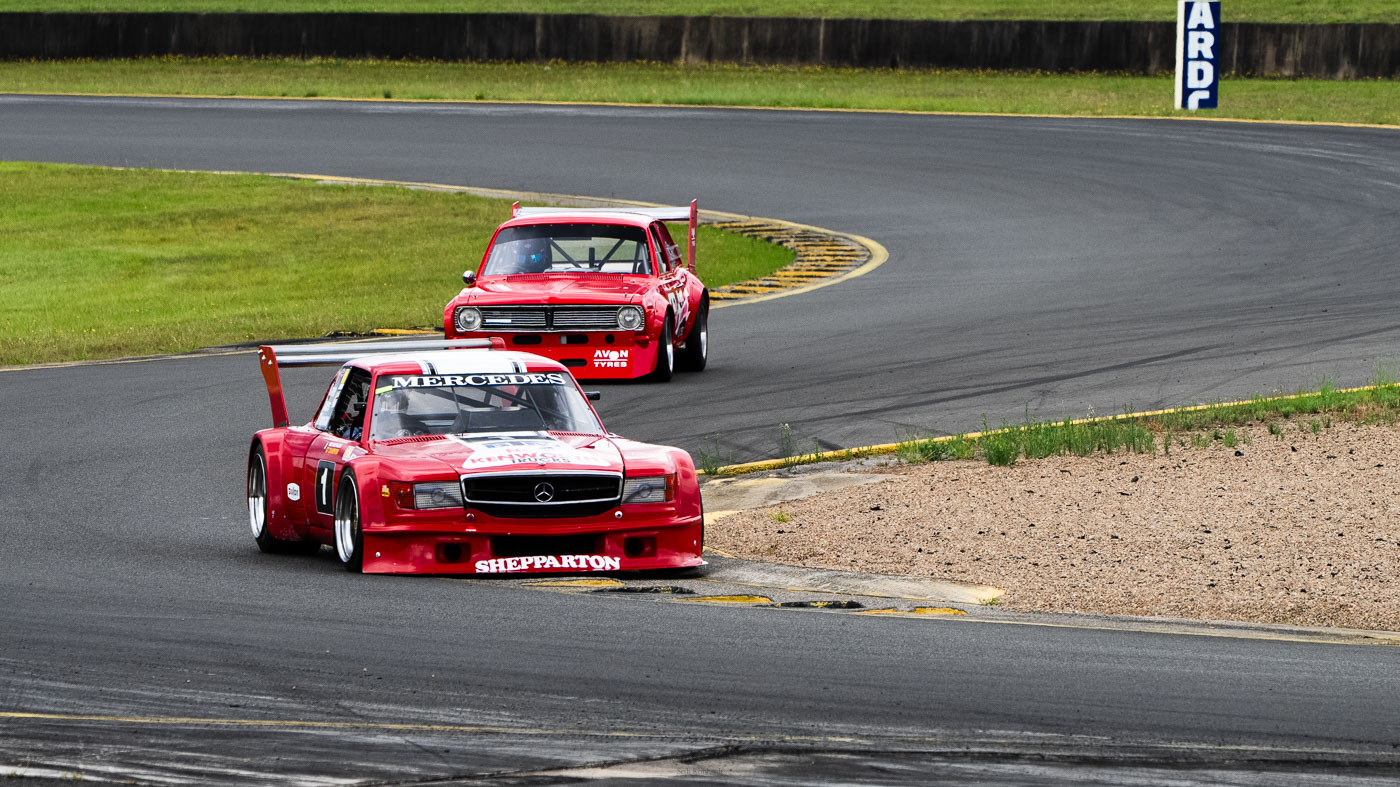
<point>524,451</point>
<point>557,289</point>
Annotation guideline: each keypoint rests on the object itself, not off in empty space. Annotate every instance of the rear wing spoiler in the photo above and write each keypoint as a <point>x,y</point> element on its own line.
<point>689,214</point>
<point>271,358</point>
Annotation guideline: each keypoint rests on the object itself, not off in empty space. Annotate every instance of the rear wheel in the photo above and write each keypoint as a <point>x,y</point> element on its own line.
<point>349,541</point>
<point>696,350</point>
<point>665,353</point>
<point>259,511</point>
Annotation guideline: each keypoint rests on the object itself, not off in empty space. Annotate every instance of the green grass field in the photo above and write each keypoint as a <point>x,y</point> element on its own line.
<point>1234,10</point>
<point>1360,101</point>
<point>102,263</point>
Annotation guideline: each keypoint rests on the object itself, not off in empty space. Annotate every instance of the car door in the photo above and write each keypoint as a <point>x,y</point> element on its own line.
<point>339,427</point>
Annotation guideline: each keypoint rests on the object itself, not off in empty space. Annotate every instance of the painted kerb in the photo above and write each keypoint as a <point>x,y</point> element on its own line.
<point>1344,51</point>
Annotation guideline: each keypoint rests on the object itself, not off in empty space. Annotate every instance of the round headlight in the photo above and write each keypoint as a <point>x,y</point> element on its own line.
<point>468,319</point>
<point>630,318</point>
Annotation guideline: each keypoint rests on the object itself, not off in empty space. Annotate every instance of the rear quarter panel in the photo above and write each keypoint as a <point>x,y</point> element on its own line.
<point>286,519</point>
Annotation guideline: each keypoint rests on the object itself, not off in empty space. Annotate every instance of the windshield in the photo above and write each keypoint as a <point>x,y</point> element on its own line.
<point>408,405</point>
<point>569,248</point>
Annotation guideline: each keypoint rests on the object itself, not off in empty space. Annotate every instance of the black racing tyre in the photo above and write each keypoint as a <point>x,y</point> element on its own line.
<point>349,539</point>
<point>259,514</point>
<point>665,353</point>
<point>696,350</point>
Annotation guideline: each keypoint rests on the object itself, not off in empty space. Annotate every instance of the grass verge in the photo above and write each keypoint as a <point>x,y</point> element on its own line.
<point>1237,10</point>
<point>102,262</point>
<point>1360,101</point>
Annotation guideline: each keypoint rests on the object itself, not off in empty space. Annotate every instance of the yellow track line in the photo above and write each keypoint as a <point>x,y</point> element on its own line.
<point>627,105</point>
<point>406,727</point>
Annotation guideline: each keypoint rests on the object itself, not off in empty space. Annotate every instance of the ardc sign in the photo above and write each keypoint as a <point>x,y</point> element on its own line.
<point>1197,54</point>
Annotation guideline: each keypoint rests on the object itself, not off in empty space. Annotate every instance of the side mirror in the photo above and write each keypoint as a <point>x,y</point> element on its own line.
<point>469,278</point>
<point>593,396</point>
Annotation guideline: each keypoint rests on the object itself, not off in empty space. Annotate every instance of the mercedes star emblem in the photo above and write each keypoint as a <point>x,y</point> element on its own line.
<point>544,492</point>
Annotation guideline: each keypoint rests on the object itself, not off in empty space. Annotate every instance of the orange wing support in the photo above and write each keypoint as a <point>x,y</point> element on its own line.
<point>267,359</point>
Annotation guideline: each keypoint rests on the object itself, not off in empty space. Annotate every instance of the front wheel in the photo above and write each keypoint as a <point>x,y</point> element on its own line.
<point>349,540</point>
<point>696,350</point>
<point>665,353</point>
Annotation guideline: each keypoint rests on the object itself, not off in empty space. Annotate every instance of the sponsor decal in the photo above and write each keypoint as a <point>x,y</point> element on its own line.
<point>293,492</point>
<point>497,445</point>
<point>446,380</point>
<point>502,565</point>
<point>333,450</point>
<point>1197,54</point>
<point>526,452</point>
<point>519,458</point>
<point>612,359</point>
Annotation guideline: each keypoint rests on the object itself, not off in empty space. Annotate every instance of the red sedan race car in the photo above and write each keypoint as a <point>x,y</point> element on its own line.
<point>474,460</point>
<point>604,292</point>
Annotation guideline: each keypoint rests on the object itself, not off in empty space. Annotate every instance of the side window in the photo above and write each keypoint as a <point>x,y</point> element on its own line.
<point>323,416</point>
<point>668,247</point>
<point>657,241</point>
<point>344,414</point>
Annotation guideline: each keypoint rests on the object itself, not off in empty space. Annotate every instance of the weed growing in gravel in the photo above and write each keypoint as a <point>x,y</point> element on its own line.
<point>780,516</point>
<point>784,441</point>
<point>709,456</point>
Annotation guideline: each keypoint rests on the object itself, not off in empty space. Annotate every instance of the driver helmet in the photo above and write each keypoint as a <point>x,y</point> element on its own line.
<point>533,255</point>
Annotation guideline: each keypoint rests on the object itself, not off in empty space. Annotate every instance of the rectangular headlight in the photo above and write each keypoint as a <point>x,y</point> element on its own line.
<point>437,494</point>
<point>649,489</point>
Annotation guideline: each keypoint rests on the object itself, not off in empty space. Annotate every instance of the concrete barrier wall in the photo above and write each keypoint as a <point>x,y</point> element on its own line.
<point>1325,51</point>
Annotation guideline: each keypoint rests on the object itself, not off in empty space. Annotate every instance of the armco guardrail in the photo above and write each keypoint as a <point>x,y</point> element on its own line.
<point>1343,51</point>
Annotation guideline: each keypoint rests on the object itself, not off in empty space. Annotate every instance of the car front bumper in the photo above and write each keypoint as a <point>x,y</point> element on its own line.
<point>596,355</point>
<point>454,549</point>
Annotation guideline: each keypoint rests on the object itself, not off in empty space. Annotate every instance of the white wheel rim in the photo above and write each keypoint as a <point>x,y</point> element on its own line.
<point>704,339</point>
<point>345,516</point>
<point>257,496</point>
<point>670,353</point>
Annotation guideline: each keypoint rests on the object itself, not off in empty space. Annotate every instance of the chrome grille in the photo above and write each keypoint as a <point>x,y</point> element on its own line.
<point>549,318</point>
<point>586,319</point>
<point>514,319</point>
<point>521,495</point>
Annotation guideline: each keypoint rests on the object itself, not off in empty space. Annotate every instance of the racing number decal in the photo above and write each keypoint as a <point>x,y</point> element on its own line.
<point>325,475</point>
<point>680,305</point>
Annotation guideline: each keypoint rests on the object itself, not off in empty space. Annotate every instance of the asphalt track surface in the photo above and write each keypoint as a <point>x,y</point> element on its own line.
<point>1054,265</point>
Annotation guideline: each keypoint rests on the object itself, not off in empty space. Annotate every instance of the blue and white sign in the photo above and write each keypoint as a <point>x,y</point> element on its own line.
<point>1197,54</point>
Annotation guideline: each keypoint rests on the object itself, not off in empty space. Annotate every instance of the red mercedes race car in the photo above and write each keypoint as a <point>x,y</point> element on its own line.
<point>604,292</point>
<point>476,460</point>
